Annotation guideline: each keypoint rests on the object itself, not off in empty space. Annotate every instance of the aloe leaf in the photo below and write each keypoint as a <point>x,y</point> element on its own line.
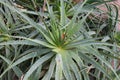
<point>37,64</point>
<point>50,72</point>
<point>97,65</point>
<point>62,13</point>
<point>75,28</point>
<point>40,42</point>
<point>15,68</point>
<point>34,24</point>
<point>75,69</point>
<point>59,67</point>
<point>36,74</point>
<point>80,64</point>
<point>19,42</point>
<point>24,58</point>
<point>66,66</point>
<point>96,53</point>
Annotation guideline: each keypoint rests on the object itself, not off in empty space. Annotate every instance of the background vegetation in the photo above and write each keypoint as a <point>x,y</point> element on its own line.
<point>58,40</point>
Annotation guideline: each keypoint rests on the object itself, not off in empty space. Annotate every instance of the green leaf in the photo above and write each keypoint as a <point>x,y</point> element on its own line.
<point>66,66</point>
<point>62,13</point>
<point>80,64</point>
<point>15,68</point>
<point>37,64</point>
<point>96,64</point>
<point>39,42</point>
<point>76,27</point>
<point>31,22</point>
<point>50,72</point>
<point>96,53</point>
<point>19,42</point>
<point>75,69</point>
<point>24,58</point>
<point>59,67</point>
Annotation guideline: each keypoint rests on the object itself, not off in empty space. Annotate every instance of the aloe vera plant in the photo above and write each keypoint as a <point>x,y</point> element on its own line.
<point>58,47</point>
